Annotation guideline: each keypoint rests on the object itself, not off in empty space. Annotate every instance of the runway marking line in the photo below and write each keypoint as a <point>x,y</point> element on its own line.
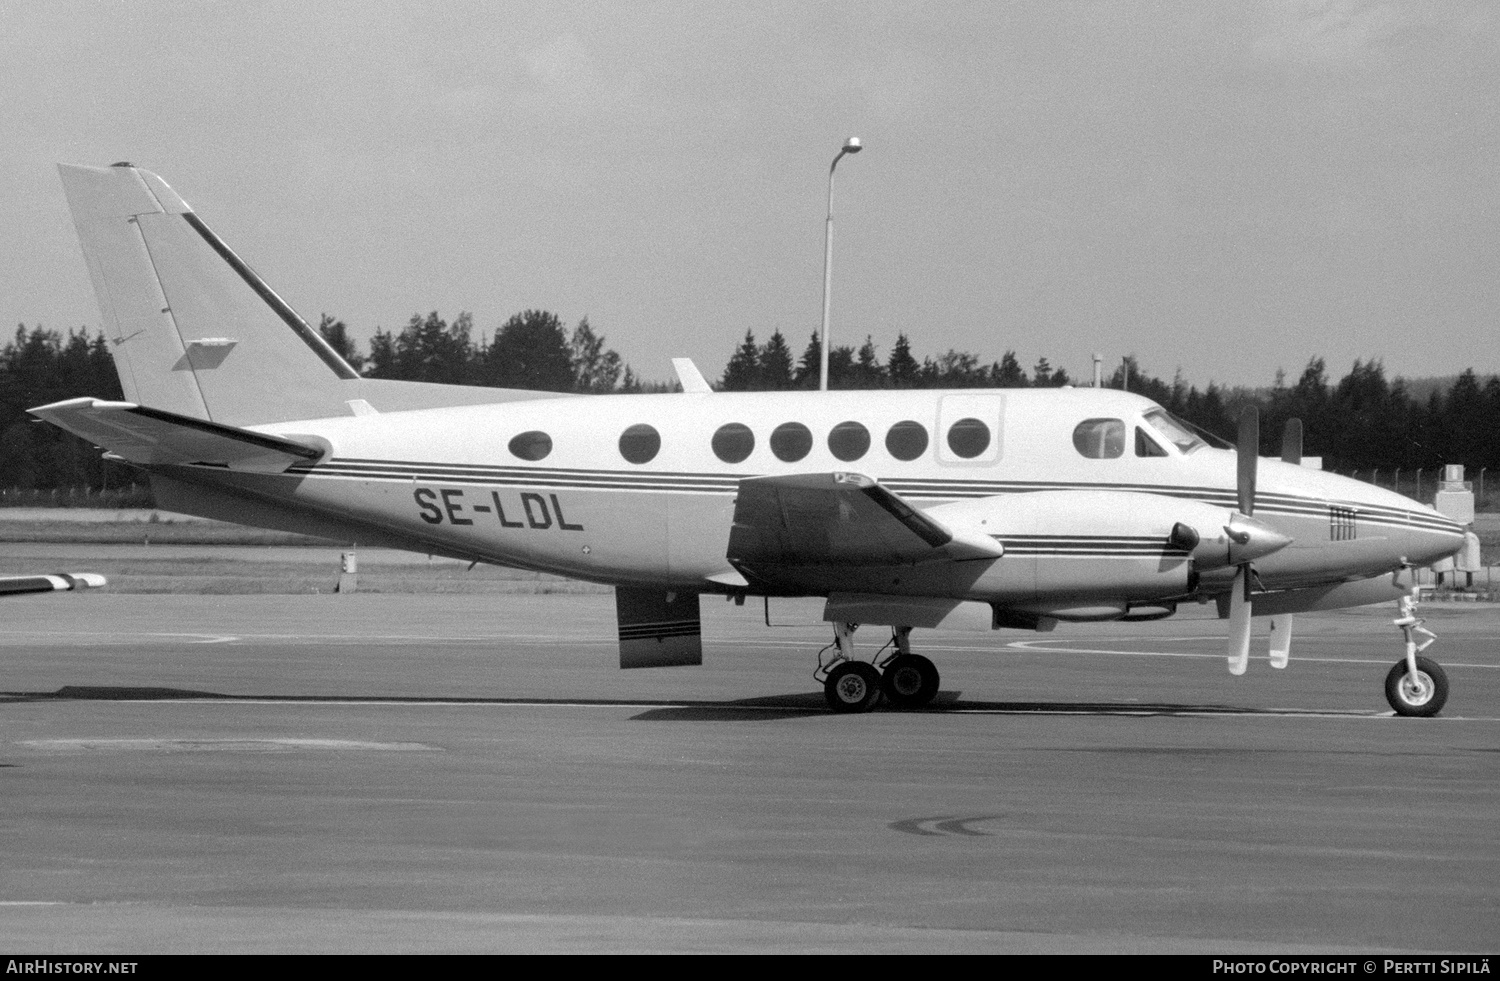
<point>193,638</point>
<point>1035,647</point>
<point>226,744</point>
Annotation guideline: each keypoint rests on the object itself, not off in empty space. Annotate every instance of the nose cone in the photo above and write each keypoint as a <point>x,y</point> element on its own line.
<point>1416,534</point>
<point>1431,538</point>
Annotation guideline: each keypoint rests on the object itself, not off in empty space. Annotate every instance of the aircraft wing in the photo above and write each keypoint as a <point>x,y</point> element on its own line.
<point>838,519</point>
<point>16,585</point>
<point>151,436</point>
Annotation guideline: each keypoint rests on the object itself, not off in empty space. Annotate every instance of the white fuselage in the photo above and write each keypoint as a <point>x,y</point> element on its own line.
<point>451,480</point>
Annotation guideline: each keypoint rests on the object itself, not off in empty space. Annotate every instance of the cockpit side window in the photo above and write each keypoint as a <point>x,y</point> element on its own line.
<point>1145,445</point>
<point>1100,439</point>
<point>1174,431</point>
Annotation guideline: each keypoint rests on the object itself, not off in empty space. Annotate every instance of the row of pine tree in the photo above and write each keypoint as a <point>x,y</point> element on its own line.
<point>1363,422</point>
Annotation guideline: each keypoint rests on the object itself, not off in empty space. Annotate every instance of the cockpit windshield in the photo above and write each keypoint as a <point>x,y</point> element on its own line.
<point>1175,431</point>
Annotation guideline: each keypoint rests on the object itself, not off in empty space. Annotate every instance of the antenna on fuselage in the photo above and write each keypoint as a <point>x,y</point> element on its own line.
<point>1291,441</point>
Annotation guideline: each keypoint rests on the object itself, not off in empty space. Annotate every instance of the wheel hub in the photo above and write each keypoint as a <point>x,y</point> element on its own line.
<point>851,688</point>
<point>1416,690</point>
<point>906,681</point>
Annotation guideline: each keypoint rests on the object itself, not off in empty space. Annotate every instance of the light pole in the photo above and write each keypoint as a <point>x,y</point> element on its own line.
<point>851,145</point>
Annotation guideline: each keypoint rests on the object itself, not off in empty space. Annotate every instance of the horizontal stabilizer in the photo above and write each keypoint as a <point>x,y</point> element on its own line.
<point>151,436</point>
<point>15,585</point>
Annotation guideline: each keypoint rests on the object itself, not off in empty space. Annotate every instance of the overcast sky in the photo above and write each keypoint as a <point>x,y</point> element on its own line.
<point>1224,187</point>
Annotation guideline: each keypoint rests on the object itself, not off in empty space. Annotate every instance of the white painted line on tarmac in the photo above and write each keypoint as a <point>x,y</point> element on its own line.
<point>1036,647</point>
<point>229,744</point>
<point>471,703</point>
<point>123,636</point>
<point>192,638</point>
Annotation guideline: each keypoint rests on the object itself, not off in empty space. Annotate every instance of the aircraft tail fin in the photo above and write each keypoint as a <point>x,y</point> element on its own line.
<point>194,331</point>
<point>197,333</point>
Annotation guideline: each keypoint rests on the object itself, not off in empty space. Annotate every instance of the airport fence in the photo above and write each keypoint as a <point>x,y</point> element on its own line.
<point>114,498</point>
<point>1422,485</point>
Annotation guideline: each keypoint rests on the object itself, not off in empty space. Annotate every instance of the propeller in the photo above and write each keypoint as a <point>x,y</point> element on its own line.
<point>1281,640</point>
<point>1247,449</point>
<point>1250,539</point>
<point>1281,627</point>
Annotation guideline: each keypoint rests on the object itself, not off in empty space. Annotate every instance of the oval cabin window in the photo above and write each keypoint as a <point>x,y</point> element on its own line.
<point>733,442</point>
<point>1100,439</point>
<point>906,440</point>
<point>791,441</point>
<point>532,445</point>
<point>848,441</point>
<point>640,443</point>
<point>968,438</point>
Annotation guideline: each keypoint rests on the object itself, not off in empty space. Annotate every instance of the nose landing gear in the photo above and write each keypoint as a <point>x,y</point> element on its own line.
<point>907,680</point>
<point>1415,686</point>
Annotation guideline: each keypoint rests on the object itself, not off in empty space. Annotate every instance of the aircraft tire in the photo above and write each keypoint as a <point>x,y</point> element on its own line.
<point>1425,703</point>
<point>909,681</point>
<point>852,686</point>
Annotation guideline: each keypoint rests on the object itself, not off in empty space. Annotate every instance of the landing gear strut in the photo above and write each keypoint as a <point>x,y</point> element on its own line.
<point>907,680</point>
<point>1415,686</point>
<point>849,685</point>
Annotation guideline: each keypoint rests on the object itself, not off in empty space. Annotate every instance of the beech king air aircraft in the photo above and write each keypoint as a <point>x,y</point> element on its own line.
<point>903,508</point>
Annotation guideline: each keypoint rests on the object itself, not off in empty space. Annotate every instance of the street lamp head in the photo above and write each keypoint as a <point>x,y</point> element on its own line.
<point>852,145</point>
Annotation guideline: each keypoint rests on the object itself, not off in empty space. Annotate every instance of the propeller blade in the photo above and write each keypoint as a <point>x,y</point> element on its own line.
<point>1281,640</point>
<point>1238,647</point>
<point>1291,441</point>
<point>1248,448</point>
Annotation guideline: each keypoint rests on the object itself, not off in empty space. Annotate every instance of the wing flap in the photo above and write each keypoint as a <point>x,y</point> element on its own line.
<point>151,436</point>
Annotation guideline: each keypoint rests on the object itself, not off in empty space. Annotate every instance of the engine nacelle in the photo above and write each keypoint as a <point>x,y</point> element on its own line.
<point>1081,554</point>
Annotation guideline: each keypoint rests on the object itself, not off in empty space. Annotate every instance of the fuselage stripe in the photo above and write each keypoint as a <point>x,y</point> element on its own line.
<point>916,489</point>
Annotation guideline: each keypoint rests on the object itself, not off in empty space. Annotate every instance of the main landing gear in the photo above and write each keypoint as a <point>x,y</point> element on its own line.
<point>906,680</point>
<point>1415,686</point>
